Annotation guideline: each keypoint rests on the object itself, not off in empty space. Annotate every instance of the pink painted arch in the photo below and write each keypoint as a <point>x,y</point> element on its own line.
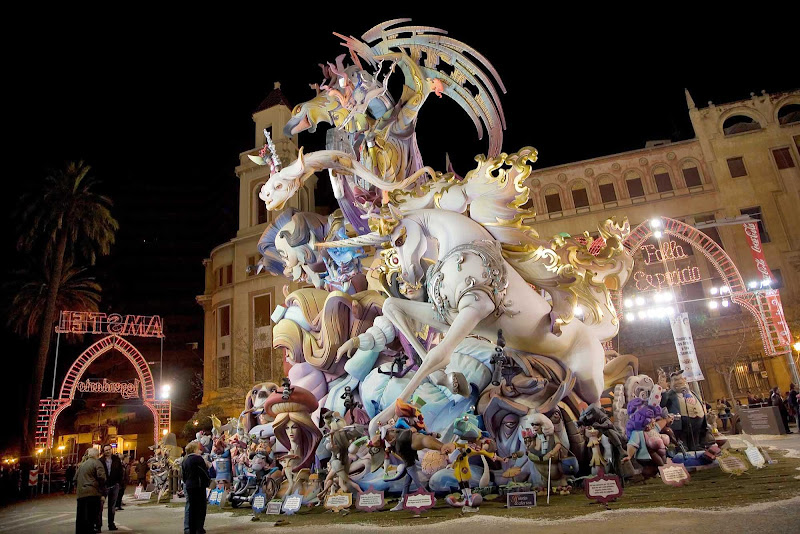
<point>50,409</point>
<point>98,349</point>
<point>754,302</point>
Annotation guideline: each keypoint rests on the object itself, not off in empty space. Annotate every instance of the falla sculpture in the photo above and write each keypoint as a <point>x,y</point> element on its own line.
<point>463,333</point>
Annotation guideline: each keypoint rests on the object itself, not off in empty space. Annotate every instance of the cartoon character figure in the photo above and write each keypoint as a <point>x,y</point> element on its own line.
<point>644,442</point>
<point>689,424</point>
<point>472,442</point>
<point>292,407</point>
<point>595,417</point>
<point>405,445</point>
<point>341,443</point>
<point>547,451</point>
<point>594,443</point>
<point>221,459</point>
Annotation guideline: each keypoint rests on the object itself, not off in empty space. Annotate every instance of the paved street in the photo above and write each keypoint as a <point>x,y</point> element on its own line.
<point>56,514</point>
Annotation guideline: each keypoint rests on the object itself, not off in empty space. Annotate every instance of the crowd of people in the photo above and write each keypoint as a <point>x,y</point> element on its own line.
<point>787,404</point>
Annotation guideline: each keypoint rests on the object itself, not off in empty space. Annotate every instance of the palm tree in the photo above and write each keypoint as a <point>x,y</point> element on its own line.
<point>64,213</point>
<point>77,291</point>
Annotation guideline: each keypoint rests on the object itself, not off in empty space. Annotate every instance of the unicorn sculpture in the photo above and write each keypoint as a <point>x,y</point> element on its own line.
<point>459,258</point>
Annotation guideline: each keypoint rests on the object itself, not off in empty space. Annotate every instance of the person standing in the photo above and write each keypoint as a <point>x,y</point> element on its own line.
<point>195,480</point>
<point>90,479</point>
<point>794,403</point>
<point>123,484</point>
<point>141,472</point>
<point>777,401</point>
<point>113,467</point>
<point>69,476</point>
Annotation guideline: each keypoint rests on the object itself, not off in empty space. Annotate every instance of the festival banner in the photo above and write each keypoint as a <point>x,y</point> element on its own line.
<point>757,251</point>
<point>773,297</point>
<point>684,344</point>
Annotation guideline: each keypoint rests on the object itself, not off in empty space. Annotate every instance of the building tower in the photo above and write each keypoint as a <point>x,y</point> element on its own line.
<point>237,302</point>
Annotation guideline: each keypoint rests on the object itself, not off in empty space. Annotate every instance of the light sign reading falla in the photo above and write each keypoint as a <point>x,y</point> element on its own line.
<point>669,250</point>
<point>75,322</point>
<point>666,251</point>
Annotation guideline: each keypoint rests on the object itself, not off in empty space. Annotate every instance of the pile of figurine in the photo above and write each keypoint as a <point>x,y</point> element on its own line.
<point>287,443</point>
<point>440,343</point>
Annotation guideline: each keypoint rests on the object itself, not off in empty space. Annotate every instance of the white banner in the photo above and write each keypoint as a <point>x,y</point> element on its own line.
<point>684,344</point>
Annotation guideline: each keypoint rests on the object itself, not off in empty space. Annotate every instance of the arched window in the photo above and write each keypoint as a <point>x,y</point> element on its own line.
<point>607,191</point>
<point>788,114</point>
<point>634,184</point>
<point>662,179</point>
<point>552,200</point>
<point>580,196</point>
<point>260,212</point>
<point>738,124</point>
<point>691,173</point>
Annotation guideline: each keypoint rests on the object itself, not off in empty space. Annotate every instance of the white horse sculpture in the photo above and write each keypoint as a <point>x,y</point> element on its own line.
<point>473,290</point>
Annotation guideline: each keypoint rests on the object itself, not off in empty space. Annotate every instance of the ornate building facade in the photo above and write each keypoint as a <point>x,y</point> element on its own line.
<point>237,302</point>
<point>743,160</point>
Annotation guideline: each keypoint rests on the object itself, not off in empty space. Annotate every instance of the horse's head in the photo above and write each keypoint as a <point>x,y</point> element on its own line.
<point>410,244</point>
<point>282,185</point>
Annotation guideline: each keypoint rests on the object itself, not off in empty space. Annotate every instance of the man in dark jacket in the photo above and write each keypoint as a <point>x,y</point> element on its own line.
<point>69,479</point>
<point>114,474</point>
<point>777,400</point>
<point>141,473</point>
<point>195,480</point>
<point>794,403</point>
<point>124,483</point>
<point>90,481</point>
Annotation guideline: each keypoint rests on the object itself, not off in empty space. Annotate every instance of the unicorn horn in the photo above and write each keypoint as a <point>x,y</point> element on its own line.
<point>370,239</point>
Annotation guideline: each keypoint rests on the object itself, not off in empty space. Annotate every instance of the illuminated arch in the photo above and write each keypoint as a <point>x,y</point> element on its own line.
<point>98,349</point>
<point>754,302</point>
<point>50,409</point>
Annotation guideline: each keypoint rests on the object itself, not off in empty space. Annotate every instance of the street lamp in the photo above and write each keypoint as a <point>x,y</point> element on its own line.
<point>165,389</point>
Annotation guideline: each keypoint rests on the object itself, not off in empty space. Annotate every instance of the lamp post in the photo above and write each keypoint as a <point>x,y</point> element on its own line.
<point>793,364</point>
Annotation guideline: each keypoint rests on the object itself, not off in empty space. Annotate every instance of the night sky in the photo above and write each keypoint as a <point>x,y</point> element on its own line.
<point>160,105</point>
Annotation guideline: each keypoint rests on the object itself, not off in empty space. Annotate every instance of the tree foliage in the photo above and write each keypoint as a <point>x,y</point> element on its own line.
<point>77,291</point>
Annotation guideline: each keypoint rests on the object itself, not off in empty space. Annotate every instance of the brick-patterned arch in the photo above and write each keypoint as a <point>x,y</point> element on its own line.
<point>49,409</point>
<point>754,302</point>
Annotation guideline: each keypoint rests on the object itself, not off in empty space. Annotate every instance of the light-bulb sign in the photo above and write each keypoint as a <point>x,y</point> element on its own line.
<point>128,390</point>
<point>75,322</point>
<point>659,281</point>
<point>670,250</point>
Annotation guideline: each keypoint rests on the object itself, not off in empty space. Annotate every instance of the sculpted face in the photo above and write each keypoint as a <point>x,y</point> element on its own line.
<point>678,383</point>
<point>293,433</point>
<point>292,268</point>
<point>282,185</point>
<point>411,244</point>
<point>324,108</point>
<point>295,267</point>
<point>260,394</point>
